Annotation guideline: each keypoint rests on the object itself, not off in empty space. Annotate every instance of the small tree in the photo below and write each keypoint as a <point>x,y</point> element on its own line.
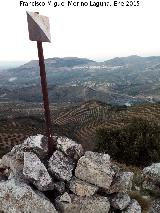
<point>137,143</point>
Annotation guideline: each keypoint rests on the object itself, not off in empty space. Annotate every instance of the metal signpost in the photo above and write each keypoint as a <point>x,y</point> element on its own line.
<point>39,30</point>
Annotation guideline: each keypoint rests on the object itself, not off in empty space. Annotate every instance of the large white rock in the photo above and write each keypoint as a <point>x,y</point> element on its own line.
<point>37,141</point>
<point>152,177</point>
<point>81,188</point>
<point>120,201</point>
<point>35,171</point>
<point>95,168</point>
<point>93,204</point>
<point>133,207</point>
<point>152,171</point>
<point>37,144</point>
<point>16,197</point>
<point>122,182</point>
<point>61,166</point>
<point>70,147</point>
<point>14,159</point>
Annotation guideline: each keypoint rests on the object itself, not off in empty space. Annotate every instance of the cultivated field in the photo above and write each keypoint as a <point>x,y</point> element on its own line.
<point>20,120</point>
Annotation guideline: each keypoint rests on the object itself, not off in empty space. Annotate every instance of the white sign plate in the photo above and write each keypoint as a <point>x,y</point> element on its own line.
<point>38,27</point>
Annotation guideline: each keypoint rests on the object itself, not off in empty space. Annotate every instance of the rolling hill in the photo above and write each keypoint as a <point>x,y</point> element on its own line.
<point>126,80</point>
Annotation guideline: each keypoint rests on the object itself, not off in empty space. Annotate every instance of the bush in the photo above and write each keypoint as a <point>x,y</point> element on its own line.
<point>137,143</point>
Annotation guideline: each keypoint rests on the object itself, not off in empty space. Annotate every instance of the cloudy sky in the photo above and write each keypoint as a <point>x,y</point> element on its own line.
<point>96,33</point>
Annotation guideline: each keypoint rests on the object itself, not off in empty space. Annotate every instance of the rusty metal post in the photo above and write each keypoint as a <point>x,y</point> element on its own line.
<point>39,30</point>
<point>51,143</point>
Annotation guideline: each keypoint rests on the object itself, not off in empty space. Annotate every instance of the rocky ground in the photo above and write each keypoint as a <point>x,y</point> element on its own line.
<point>69,181</point>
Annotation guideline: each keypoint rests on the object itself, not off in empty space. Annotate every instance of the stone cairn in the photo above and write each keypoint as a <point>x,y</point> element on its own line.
<point>70,181</point>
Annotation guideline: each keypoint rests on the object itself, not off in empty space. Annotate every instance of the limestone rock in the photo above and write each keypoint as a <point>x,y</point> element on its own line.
<point>35,171</point>
<point>152,177</point>
<point>37,144</point>
<point>82,188</point>
<point>95,168</point>
<point>133,207</point>
<point>19,197</point>
<point>70,147</point>
<point>122,182</point>
<point>120,201</point>
<point>152,171</point>
<point>93,204</point>
<point>61,166</point>
<point>14,159</point>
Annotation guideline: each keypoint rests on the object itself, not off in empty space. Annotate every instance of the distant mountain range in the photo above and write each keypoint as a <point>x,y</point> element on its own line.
<point>10,64</point>
<point>126,80</point>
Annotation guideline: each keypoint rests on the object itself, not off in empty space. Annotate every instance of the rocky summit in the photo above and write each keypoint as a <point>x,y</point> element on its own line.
<point>70,181</point>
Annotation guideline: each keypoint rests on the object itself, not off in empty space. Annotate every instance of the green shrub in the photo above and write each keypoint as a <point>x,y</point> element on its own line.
<point>137,143</point>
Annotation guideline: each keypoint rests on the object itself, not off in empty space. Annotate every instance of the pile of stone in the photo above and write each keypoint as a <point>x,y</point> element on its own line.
<point>70,181</point>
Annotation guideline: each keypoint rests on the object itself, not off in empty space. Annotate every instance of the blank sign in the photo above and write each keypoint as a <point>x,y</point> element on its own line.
<point>38,27</point>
